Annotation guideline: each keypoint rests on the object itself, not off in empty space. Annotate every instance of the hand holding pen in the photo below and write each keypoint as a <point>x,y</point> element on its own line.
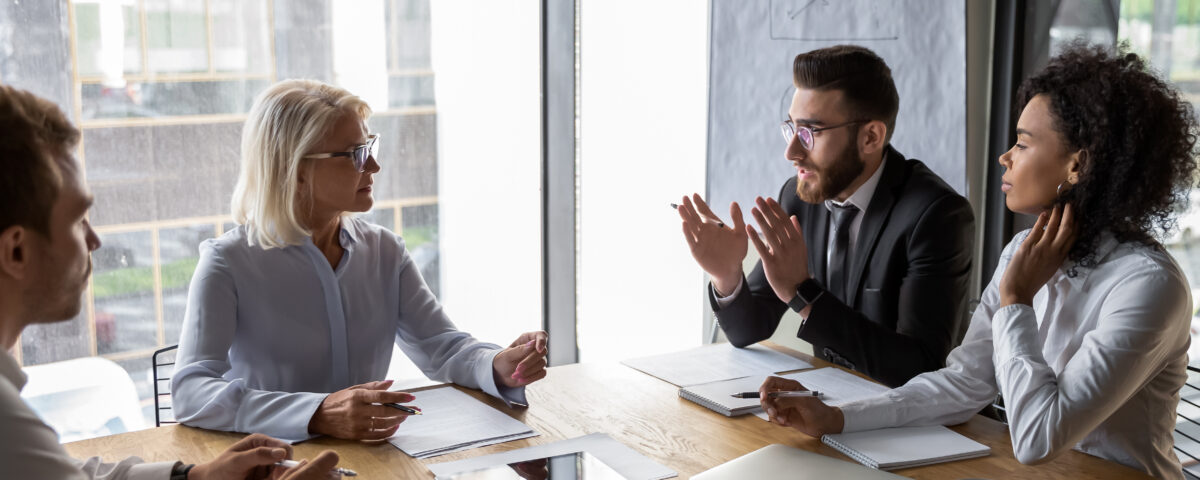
<point>717,248</point>
<point>778,394</point>
<point>797,407</point>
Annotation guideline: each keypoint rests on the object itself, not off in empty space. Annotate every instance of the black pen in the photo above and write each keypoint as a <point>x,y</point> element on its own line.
<point>403,408</point>
<point>706,217</point>
<point>799,393</point>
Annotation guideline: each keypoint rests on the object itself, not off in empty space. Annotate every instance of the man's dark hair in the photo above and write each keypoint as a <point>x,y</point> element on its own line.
<point>33,131</point>
<point>863,78</point>
<point>1138,138</point>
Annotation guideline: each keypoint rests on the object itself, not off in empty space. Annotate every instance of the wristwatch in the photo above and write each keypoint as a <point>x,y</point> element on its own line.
<point>807,293</point>
<point>180,471</point>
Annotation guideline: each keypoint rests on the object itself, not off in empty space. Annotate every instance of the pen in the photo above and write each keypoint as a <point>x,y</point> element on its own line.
<point>293,464</point>
<point>403,408</point>
<point>711,219</point>
<point>800,393</point>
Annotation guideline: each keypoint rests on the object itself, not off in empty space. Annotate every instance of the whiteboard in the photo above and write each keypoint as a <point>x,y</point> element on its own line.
<point>753,44</point>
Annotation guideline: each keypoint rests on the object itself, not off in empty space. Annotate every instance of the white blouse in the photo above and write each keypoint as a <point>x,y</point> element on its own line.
<point>1095,364</point>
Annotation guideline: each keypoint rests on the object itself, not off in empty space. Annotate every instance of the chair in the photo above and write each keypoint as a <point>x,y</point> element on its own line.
<point>163,357</point>
<point>1187,426</point>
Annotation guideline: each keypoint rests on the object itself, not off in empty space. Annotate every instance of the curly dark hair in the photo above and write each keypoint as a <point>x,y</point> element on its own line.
<point>1139,140</point>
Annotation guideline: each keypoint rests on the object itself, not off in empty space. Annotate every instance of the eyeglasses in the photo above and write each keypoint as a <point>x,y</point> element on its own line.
<point>807,140</point>
<point>360,154</point>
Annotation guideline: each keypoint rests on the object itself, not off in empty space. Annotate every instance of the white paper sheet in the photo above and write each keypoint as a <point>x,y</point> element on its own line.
<point>837,387</point>
<point>712,363</point>
<point>626,461</point>
<point>453,421</point>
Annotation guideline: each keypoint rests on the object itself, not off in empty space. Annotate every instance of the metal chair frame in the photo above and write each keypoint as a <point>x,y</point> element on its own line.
<point>158,378</point>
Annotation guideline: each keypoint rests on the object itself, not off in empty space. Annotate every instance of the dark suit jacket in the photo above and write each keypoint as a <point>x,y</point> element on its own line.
<point>907,281</point>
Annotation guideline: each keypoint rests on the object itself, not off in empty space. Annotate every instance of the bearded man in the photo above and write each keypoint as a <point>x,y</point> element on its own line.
<point>873,250</point>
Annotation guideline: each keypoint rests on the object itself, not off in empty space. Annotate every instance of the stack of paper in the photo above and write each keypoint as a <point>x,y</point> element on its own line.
<point>836,386</point>
<point>453,421</point>
<point>712,363</point>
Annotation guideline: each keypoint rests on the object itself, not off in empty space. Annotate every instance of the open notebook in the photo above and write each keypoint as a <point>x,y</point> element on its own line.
<point>903,447</point>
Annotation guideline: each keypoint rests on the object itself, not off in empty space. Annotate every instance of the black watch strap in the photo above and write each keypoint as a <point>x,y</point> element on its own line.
<point>807,293</point>
<point>180,471</point>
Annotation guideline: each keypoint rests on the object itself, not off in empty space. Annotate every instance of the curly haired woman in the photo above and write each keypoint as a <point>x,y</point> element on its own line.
<point>1084,327</point>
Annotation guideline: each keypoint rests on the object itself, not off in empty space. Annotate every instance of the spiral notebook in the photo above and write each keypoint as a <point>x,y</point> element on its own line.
<point>904,447</point>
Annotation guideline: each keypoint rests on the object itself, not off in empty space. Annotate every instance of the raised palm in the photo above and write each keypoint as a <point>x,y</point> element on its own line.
<point>718,248</point>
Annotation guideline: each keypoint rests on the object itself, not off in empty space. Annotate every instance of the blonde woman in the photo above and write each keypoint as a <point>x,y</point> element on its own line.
<point>292,315</point>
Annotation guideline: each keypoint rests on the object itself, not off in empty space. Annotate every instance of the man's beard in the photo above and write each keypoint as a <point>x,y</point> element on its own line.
<point>832,180</point>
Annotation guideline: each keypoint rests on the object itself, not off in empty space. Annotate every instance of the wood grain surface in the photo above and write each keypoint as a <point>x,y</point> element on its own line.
<point>638,410</point>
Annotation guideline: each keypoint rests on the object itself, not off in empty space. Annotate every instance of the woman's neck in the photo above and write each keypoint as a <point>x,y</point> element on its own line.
<point>325,235</point>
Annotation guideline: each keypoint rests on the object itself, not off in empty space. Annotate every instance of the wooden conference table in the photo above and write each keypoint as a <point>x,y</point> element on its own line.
<point>641,411</point>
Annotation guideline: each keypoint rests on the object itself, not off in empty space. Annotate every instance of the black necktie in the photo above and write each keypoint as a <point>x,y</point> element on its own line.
<point>839,257</point>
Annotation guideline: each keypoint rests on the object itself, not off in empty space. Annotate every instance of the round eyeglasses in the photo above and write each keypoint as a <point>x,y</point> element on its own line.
<point>806,133</point>
<point>360,154</point>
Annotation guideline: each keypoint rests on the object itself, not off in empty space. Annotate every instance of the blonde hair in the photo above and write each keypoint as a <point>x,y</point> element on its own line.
<point>286,122</point>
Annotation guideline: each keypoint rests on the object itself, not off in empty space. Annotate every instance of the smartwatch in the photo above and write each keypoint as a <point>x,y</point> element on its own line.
<point>180,471</point>
<point>807,293</point>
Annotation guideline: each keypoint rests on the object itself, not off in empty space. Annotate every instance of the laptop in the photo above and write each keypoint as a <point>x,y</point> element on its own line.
<point>782,461</point>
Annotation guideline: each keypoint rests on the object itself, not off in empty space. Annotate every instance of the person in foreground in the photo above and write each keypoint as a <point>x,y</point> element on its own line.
<point>1084,329</point>
<point>45,259</point>
<point>872,249</point>
<point>301,300</point>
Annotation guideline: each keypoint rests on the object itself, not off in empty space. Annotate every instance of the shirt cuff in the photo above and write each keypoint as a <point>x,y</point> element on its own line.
<point>304,409</point>
<point>869,413</point>
<point>486,378</point>
<point>723,302</point>
<point>1014,333</point>
<point>156,471</point>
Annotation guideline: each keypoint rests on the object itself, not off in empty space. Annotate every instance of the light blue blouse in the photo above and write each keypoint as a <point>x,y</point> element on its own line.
<point>269,334</point>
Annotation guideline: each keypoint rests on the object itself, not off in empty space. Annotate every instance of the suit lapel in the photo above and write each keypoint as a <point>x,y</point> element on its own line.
<point>816,237</point>
<point>876,218</point>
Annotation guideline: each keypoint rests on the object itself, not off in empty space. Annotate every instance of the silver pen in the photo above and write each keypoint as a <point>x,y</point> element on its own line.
<point>793,393</point>
<point>345,472</point>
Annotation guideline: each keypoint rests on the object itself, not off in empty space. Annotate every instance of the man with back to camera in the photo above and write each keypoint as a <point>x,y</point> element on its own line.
<point>45,247</point>
<point>871,249</point>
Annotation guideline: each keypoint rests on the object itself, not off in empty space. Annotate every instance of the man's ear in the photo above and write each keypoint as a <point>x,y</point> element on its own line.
<point>872,137</point>
<point>14,251</point>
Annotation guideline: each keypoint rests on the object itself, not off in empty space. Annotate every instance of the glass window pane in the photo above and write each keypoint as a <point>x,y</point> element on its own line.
<point>123,281</point>
<point>176,36</point>
<point>162,99</point>
<point>179,252</point>
<point>108,39</point>
<point>241,36</point>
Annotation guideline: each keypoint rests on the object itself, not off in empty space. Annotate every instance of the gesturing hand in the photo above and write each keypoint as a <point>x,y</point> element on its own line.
<point>1039,256</point>
<point>523,362</point>
<point>249,458</point>
<point>356,413</point>
<point>806,414</point>
<point>785,255</point>
<point>718,249</point>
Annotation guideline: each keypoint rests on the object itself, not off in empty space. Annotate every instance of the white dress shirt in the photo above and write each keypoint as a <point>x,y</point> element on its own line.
<point>29,448</point>
<point>269,334</point>
<point>861,198</point>
<point>1096,363</point>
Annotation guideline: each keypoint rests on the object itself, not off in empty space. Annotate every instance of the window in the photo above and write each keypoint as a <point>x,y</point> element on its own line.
<point>160,89</point>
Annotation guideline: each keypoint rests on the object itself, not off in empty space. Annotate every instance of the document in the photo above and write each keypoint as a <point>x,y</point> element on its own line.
<point>626,461</point>
<point>837,387</point>
<point>712,363</point>
<point>452,421</point>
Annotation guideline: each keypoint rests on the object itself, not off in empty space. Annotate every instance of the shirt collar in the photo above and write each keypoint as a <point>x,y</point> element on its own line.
<point>11,371</point>
<point>861,198</point>
<point>1108,243</point>
<point>349,233</point>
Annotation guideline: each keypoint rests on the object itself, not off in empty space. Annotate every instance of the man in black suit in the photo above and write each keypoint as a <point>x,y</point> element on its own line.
<point>873,250</point>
